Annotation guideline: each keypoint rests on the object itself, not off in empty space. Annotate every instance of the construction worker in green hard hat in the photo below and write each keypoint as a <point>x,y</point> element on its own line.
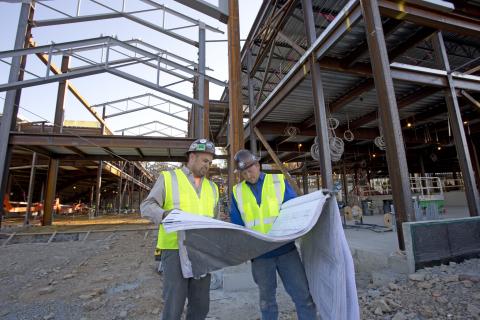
<point>186,189</point>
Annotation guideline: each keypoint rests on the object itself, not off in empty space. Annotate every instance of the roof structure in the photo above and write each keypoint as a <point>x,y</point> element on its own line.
<point>282,88</point>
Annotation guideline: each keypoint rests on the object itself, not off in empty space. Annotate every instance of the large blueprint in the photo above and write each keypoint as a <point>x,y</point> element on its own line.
<point>207,245</point>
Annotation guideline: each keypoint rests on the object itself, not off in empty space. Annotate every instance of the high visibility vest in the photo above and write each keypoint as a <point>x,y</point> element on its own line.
<point>260,218</point>
<point>180,194</point>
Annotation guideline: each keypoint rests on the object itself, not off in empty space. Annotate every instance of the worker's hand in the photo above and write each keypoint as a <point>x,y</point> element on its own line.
<point>166,213</point>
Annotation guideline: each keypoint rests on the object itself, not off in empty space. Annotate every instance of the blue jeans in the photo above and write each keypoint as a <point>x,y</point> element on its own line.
<point>292,273</point>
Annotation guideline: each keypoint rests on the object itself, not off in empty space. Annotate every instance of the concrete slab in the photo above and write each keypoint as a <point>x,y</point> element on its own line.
<point>238,278</point>
<point>374,251</point>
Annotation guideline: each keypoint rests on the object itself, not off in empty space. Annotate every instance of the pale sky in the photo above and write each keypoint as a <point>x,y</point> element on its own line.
<point>38,103</point>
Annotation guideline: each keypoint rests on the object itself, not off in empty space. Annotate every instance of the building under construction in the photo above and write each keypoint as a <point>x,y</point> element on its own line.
<point>376,100</point>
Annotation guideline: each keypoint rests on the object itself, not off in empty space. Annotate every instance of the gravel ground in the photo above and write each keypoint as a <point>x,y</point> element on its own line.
<point>442,292</point>
<point>116,279</point>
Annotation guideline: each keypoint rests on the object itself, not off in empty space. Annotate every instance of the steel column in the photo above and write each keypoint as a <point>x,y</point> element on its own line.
<point>320,110</point>
<point>31,185</point>
<point>98,189</point>
<point>395,152</point>
<point>476,163</point>
<point>305,183</point>
<point>53,163</point>
<point>199,126</point>
<point>456,122</point>
<point>98,186</point>
<point>251,101</point>
<point>206,110</point>
<point>234,89</point>
<point>12,98</point>
<point>120,195</point>
<point>50,192</point>
<point>345,183</point>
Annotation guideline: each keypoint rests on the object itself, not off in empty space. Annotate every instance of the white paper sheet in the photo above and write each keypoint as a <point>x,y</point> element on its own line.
<point>207,245</point>
<point>295,218</point>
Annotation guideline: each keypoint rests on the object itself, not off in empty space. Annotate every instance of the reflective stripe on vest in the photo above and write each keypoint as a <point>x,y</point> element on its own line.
<point>261,218</point>
<point>180,194</point>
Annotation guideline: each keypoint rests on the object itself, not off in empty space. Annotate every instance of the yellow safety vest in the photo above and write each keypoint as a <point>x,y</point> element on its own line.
<point>260,218</point>
<point>180,194</point>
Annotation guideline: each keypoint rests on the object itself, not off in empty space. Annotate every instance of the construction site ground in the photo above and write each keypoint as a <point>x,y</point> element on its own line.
<point>111,274</point>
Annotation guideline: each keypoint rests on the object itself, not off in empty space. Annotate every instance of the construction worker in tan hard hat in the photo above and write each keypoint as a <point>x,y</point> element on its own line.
<point>186,189</point>
<point>256,204</point>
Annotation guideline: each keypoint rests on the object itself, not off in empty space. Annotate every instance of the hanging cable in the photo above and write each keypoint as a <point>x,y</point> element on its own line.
<point>348,134</point>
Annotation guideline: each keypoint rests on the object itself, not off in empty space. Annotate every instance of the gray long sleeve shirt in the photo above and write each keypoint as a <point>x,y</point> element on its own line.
<point>152,207</point>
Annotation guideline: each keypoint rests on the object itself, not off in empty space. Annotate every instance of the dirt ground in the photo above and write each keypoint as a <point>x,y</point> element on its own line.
<point>112,275</point>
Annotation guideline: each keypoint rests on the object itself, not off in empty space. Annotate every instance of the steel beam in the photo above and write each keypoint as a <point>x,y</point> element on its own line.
<point>143,108</point>
<point>154,131</point>
<point>274,24</point>
<point>86,18</point>
<point>291,43</point>
<point>42,139</point>
<point>395,152</point>
<point>347,17</point>
<point>151,122</point>
<point>133,98</point>
<point>152,85</point>
<point>279,164</point>
<point>251,101</point>
<point>73,90</point>
<point>184,16</point>
<point>116,171</point>
<point>12,98</point>
<point>455,118</point>
<point>402,103</point>
<point>429,17</point>
<point>265,73</point>
<point>221,13</point>
<point>471,99</point>
<point>93,43</point>
<point>150,25</point>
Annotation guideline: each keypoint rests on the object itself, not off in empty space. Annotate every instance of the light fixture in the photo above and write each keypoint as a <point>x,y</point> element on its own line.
<point>439,148</point>
<point>299,145</point>
<point>465,122</point>
<point>409,124</point>
<point>374,155</point>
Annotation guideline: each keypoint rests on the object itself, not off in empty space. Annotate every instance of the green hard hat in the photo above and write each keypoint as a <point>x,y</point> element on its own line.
<point>202,145</point>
